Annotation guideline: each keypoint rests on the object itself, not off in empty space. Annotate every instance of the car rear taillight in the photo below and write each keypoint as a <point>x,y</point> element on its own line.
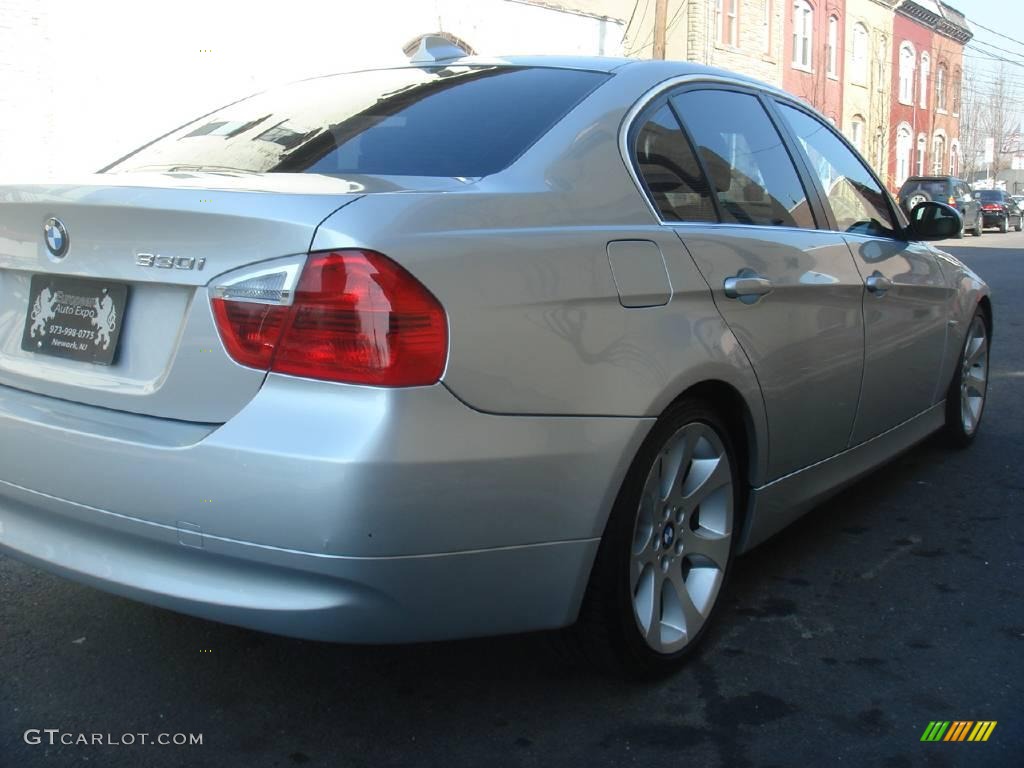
<point>991,206</point>
<point>952,200</point>
<point>355,316</point>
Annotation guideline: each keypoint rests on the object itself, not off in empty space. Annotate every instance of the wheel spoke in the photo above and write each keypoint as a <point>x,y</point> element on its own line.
<point>677,464</point>
<point>976,349</point>
<point>646,599</point>
<point>976,380</point>
<point>706,476</point>
<point>691,617</point>
<point>715,547</point>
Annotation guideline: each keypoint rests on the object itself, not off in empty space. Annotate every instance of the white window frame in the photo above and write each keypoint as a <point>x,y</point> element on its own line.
<point>859,54</point>
<point>904,153</point>
<point>857,133</point>
<point>832,68</point>
<point>907,63</point>
<point>922,153</point>
<point>926,67</point>
<point>803,35</point>
<point>941,84</point>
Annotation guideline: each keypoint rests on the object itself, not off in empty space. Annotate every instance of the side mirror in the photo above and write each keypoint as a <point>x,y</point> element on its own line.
<point>934,221</point>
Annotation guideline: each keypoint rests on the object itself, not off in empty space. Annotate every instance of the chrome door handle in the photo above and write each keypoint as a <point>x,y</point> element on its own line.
<point>878,284</point>
<point>747,286</point>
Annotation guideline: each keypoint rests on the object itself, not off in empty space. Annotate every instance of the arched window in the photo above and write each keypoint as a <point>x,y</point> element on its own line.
<point>922,150</point>
<point>907,57</point>
<point>940,88</point>
<point>958,84</point>
<point>857,132</point>
<point>904,141</point>
<point>926,64</point>
<point>833,46</point>
<point>859,54</point>
<point>803,34</point>
<point>938,154</point>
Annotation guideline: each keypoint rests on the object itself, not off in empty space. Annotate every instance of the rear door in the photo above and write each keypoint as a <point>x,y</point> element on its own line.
<point>906,301</point>
<point>790,292</point>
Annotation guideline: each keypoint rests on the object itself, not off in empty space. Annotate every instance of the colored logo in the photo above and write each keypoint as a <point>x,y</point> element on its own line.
<point>56,235</point>
<point>958,730</point>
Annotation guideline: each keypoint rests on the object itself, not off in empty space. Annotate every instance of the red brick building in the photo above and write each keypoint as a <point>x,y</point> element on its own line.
<point>928,44</point>
<point>814,55</point>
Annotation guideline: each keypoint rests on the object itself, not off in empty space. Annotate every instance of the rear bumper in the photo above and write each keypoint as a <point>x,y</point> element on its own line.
<point>993,219</point>
<point>320,511</point>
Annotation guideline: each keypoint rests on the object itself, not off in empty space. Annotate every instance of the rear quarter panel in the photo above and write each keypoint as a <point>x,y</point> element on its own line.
<point>519,261</point>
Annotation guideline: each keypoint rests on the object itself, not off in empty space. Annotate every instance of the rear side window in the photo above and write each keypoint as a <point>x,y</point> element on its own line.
<point>749,169</point>
<point>858,202</point>
<point>451,121</point>
<point>670,172</point>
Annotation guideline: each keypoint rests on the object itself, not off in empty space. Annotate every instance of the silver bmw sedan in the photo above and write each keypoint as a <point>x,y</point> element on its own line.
<point>468,347</point>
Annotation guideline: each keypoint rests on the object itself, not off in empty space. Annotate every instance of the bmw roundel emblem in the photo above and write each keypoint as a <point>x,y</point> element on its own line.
<point>56,237</point>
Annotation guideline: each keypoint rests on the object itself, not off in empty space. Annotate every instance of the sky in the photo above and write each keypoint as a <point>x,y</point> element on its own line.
<point>1001,17</point>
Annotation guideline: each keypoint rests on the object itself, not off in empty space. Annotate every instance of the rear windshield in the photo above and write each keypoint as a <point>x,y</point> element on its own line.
<point>991,195</point>
<point>934,187</point>
<point>452,121</point>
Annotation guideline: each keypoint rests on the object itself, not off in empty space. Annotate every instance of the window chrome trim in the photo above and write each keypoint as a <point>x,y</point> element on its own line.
<point>655,92</point>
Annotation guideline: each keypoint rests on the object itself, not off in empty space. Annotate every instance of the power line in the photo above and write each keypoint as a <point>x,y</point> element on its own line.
<point>998,34</point>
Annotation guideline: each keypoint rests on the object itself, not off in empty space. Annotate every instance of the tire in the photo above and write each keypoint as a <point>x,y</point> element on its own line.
<point>1020,224</point>
<point>634,620</point>
<point>1004,225</point>
<point>979,226</point>
<point>963,228</point>
<point>968,391</point>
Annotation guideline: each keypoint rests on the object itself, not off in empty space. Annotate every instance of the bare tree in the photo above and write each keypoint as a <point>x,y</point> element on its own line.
<point>988,110</point>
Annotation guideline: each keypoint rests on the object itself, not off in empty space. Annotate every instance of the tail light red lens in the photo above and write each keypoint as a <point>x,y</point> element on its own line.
<point>357,317</point>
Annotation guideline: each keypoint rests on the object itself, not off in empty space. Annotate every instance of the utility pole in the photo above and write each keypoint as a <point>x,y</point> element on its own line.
<point>660,20</point>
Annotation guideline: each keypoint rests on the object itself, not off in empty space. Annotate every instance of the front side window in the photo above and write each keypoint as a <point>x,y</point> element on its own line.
<point>670,172</point>
<point>858,202</point>
<point>803,26</point>
<point>467,121</point>
<point>750,170</point>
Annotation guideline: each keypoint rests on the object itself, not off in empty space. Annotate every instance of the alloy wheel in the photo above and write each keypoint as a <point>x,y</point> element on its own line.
<point>682,538</point>
<point>974,375</point>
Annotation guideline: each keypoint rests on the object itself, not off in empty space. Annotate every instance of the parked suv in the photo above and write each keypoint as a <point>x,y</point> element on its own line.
<point>1000,210</point>
<point>944,189</point>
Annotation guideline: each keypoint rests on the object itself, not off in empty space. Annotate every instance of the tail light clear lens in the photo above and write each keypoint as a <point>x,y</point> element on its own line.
<point>952,200</point>
<point>355,316</point>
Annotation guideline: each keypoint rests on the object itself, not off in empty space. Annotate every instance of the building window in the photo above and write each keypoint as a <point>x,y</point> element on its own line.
<point>859,54</point>
<point>954,159</point>
<point>833,46</point>
<point>922,149</point>
<point>903,148</point>
<point>857,132</point>
<point>938,154</point>
<point>958,84</point>
<point>907,56</point>
<point>925,71</point>
<point>728,15</point>
<point>940,88</point>
<point>803,26</point>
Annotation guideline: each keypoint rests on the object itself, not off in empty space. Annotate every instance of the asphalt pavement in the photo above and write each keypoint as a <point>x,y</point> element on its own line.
<point>896,604</point>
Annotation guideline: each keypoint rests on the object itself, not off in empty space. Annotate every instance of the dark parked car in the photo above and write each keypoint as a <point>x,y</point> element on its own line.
<point>944,189</point>
<point>1000,210</point>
